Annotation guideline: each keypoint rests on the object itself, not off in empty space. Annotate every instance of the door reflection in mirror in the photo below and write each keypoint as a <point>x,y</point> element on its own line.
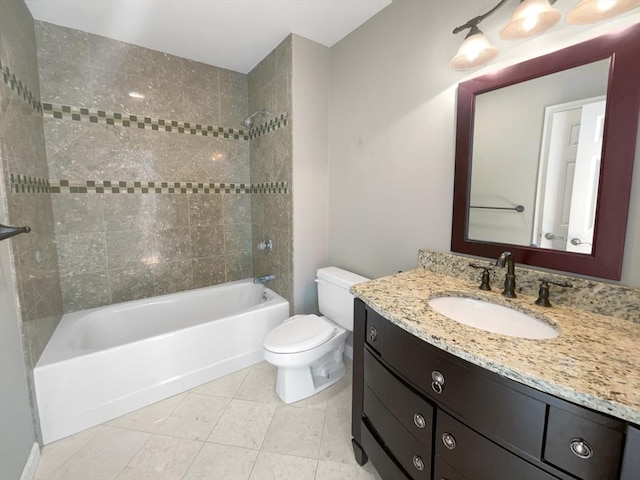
<point>511,143</point>
<point>568,175</point>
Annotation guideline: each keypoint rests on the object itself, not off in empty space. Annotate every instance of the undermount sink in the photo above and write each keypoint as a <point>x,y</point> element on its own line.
<point>492,318</point>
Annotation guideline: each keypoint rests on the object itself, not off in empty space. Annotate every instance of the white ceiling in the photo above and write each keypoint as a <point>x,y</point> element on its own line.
<point>233,34</point>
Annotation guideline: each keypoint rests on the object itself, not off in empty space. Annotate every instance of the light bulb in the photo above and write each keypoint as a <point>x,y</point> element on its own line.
<point>592,11</point>
<point>530,18</point>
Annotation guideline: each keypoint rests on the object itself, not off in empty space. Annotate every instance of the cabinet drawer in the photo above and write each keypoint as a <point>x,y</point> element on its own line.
<point>414,457</point>
<point>443,471</point>
<point>374,330</point>
<point>478,458</point>
<point>411,410</point>
<point>589,449</point>
<point>384,464</point>
<point>476,398</point>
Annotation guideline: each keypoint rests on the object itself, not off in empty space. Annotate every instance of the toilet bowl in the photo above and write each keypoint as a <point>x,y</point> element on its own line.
<point>308,349</point>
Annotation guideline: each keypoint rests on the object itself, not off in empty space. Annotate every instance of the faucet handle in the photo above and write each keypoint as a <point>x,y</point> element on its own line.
<point>484,285</point>
<point>543,293</point>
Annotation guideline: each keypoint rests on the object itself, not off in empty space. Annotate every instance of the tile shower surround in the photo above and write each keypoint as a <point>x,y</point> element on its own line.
<point>22,149</point>
<point>183,221</point>
<point>271,160</point>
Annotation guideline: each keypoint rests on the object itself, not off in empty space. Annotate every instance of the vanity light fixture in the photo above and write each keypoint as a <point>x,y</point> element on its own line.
<point>531,17</point>
<point>592,11</point>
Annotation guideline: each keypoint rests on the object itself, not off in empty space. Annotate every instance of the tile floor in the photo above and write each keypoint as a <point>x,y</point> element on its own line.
<point>234,428</point>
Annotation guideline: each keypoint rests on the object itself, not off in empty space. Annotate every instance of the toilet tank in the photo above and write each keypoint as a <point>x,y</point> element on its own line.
<point>334,299</point>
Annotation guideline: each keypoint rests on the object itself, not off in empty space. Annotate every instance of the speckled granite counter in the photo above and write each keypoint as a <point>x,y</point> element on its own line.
<point>594,362</point>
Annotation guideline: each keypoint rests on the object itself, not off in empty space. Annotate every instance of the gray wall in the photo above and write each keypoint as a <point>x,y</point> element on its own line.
<point>22,152</point>
<point>271,146</point>
<point>154,236</point>
<point>392,131</point>
<point>310,95</point>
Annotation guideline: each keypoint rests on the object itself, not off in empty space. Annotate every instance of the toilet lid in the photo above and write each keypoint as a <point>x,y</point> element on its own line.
<point>298,334</point>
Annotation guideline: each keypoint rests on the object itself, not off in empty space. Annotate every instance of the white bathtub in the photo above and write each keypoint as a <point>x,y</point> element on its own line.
<point>108,361</point>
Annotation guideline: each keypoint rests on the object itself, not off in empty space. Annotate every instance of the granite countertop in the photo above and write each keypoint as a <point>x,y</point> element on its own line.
<point>594,362</point>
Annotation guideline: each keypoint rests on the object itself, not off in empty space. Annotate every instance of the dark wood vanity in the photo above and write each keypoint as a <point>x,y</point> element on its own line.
<point>421,413</point>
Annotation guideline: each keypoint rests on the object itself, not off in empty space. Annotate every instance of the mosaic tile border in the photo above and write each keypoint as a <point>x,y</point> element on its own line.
<point>269,126</point>
<point>26,184</point>
<point>15,84</point>
<point>80,114</point>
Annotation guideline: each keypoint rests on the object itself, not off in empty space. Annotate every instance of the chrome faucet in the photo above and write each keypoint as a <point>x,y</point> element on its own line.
<point>510,279</point>
<point>264,278</point>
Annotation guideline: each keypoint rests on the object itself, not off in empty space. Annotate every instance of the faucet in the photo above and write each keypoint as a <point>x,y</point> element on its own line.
<point>510,279</point>
<point>264,278</point>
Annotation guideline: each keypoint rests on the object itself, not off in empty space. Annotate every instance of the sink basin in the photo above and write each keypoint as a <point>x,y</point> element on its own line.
<point>492,318</point>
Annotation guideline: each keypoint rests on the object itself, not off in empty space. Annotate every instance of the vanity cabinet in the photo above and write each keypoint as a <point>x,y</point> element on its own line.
<point>421,413</point>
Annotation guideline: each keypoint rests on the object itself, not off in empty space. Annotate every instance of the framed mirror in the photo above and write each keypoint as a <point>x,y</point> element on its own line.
<point>544,156</point>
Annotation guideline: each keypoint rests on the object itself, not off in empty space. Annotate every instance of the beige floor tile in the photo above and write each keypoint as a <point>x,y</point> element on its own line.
<point>336,436</point>
<point>243,424</point>
<point>104,456</point>
<point>295,431</point>
<point>226,386</point>
<point>195,417</point>
<point>274,466</point>
<point>54,455</point>
<point>149,419</point>
<point>341,471</point>
<point>340,394</point>
<point>222,462</point>
<point>162,458</point>
<point>259,385</point>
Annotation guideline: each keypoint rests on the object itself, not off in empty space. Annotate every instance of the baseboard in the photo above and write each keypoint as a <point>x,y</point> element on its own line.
<point>29,472</point>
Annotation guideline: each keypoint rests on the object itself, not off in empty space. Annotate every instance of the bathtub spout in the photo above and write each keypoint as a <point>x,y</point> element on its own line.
<point>264,278</point>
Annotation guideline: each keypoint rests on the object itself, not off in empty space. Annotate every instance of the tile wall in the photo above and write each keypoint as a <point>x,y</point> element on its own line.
<point>152,195</point>
<point>271,161</point>
<point>22,152</point>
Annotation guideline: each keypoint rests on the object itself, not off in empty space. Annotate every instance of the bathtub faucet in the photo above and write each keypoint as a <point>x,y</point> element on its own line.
<point>264,278</point>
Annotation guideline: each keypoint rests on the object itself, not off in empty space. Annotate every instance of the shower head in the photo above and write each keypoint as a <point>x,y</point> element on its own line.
<point>248,122</point>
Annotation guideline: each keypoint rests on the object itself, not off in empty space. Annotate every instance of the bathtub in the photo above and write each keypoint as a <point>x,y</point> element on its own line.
<point>108,361</point>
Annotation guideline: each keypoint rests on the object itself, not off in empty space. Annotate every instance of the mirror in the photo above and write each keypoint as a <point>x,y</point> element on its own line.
<point>515,187</point>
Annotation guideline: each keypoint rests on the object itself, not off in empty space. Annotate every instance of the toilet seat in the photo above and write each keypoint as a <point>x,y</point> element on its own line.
<point>299,333</point>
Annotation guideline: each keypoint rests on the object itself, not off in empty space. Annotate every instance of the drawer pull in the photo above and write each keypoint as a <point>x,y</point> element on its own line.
<point>438,381</point>
<point>448,441</point>
<point>373,334</point>
<point>418,463</point>
<point>419,420</point>
<point>581,448</point>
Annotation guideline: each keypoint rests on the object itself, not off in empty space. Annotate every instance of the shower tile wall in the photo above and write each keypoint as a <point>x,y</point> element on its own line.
<point>22,152</point>
<point>137,243</point>
<point>271,161</point>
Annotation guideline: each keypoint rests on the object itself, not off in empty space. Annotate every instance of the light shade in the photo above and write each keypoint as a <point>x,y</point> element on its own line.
<point>531,17</point>
<point>474,52</point>
<point>592,11</point>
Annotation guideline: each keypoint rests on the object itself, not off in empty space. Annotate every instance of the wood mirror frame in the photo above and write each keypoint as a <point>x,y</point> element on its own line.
<point>618,151</point>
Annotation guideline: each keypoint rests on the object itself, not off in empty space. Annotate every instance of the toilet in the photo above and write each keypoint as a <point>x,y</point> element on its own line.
<point>307,349</point>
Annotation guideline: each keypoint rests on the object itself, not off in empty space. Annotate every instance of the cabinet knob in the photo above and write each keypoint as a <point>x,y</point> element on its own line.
<point>437,381</point>
<point>419,420</point>
<point>448,441</point>
<point>580,448</point>
<point>418,463</point>
<point>373,334</point>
